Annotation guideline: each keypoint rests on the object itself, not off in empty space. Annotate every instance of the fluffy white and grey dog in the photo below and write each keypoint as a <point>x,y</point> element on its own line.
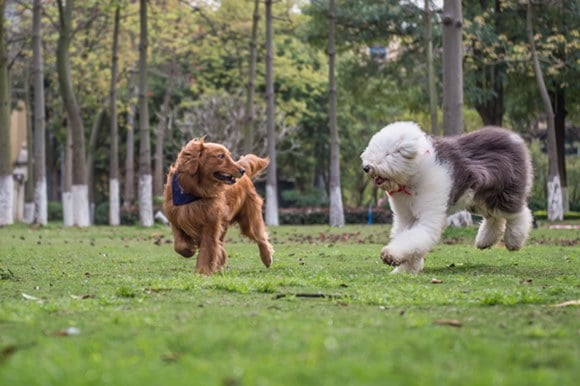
<point>487,172</point>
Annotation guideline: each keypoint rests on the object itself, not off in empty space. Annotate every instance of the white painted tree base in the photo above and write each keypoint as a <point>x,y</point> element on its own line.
<point>460,219</point>
<point>81,209</point>
<point>555,207</point>
<point>146,200</point>
<point>114,203</point>
<point>336,215</point>
<point>67,209</point>
<point>28,215</point>
<point>271,213</point>
<point>6,200</point>
<point>40,203</point>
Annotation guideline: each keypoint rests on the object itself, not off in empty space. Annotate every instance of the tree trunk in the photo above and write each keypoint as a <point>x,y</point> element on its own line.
<point>453,82</point>
<point>249,112</point>
<point>162,126</point>
<point>6,180</point>
<point>114,197</point>
<point>67,200</point>
<point>129,196</point>
<point>555,208</point>
<point>336,215</point>
<point>430,70</point>
<point>40,189</point>
<point>560,127</point>
<point>271,178</point>
<point>452,67</point>
<point>80,194</point>
<point>145,180</point>
<point>28,217</point>
<point>92,148</point>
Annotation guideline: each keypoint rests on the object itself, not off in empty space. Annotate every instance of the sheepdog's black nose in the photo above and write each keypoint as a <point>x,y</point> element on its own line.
<point>242,171</point>
<point>366,168</point>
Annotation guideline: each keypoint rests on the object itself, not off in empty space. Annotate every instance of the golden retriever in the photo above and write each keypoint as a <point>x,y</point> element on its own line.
<point>206,191</point>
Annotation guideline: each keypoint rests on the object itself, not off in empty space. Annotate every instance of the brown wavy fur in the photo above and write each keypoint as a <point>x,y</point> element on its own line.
<point>202,224</point>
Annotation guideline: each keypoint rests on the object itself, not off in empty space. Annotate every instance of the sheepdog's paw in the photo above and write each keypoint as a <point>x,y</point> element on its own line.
<point>413,266</point>
<point>390,257</point>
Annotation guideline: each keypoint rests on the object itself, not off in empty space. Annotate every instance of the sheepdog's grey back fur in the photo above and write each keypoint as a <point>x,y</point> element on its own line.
<point>493,162</point>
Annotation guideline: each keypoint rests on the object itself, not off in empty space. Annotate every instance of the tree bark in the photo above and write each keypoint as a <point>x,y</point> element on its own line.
<point>271,178</point>
<point>6,180</point>
<point>430,70</point>
<point>555,208</point>
<point>452,67</point>
<point>336,214</point>
<point>80,194</point>
<point>248,130</point>
<point>114,197</point>
<point>129,195</point>
<point>162,126</point>
<point>145,180</point>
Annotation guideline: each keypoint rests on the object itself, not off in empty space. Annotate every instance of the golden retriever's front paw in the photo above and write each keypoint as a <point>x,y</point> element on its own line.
<point>390,258</point>
<point>204,271</point>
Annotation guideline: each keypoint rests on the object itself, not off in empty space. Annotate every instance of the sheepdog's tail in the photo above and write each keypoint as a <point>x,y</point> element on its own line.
<point>253,164</point>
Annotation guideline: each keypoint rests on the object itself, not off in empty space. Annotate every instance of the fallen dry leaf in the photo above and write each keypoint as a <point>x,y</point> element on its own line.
<point>568,303</point>
<point>81,297</point>
<point>436,281</point>
<point>448,322</point>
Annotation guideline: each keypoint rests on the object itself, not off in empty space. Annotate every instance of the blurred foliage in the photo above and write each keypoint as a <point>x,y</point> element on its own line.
<point>210,42</point>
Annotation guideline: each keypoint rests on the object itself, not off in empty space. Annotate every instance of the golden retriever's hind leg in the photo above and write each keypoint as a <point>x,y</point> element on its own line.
<point>252,225</point>
<point>223,258</point>
<point>182,243</point>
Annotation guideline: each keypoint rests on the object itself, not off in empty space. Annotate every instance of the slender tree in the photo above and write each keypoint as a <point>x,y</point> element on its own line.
<point>28,217</point>
<point>6,181</point>
<point>271,178</point>
<point>114,195</point>
<point>336,210</point>
<point>430,69</point>
<point>162,126</point>
<point>80,193</point>
<point>98,123</point>
<point>129,189</point>
<point>145,179</point>
<point>249,111</point>
<point>555,207</point>
<point>67,200</point>
<point>453,81</point>
<point>452,67</point>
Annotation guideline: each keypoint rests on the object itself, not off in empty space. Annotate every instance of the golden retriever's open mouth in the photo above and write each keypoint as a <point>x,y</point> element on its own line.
<point>226,178</point>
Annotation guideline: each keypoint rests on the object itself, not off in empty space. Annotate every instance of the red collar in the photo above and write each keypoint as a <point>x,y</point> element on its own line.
<point>402,189</point>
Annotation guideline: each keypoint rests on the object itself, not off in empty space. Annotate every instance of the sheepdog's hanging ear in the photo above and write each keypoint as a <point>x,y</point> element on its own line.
<point>409,148</point>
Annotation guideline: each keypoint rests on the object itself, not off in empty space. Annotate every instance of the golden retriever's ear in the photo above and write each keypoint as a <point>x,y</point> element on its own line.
<point>189,158</point>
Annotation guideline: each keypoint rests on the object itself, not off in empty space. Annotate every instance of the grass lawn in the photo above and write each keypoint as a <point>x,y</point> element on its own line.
<point>117,306</point>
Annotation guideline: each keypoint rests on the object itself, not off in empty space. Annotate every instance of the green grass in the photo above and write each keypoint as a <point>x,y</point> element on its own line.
<point>144,318</point>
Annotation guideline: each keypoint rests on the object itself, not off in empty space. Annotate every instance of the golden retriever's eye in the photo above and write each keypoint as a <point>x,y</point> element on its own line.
<point>221,156</point>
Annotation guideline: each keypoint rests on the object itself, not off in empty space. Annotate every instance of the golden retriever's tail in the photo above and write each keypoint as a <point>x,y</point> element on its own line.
<point>253,164</point>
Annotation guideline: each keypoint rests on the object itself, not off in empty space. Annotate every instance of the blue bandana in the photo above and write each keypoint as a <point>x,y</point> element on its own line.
<point>179,196</point>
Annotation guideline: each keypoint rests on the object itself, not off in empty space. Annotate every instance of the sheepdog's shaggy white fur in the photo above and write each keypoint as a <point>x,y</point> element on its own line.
<point>487,172</point>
